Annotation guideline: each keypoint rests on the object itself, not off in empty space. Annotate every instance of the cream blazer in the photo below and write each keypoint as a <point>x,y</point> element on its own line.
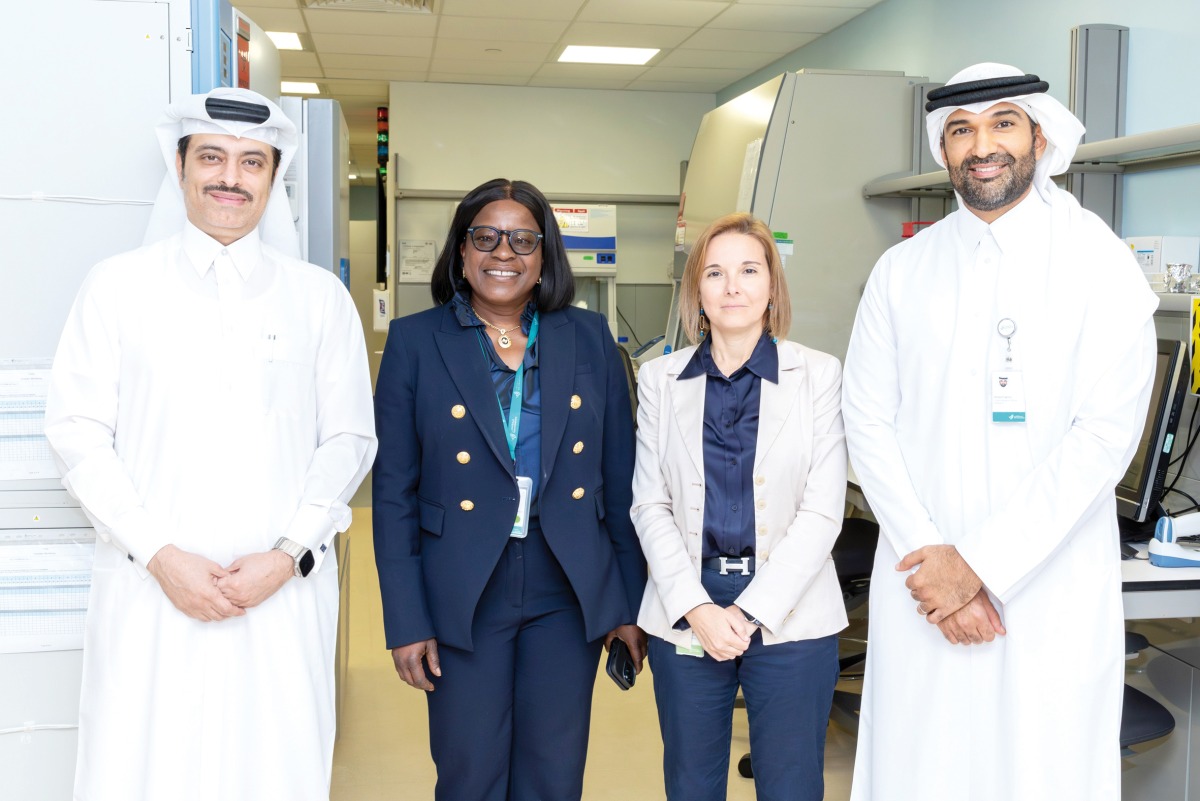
<point>799,496</point>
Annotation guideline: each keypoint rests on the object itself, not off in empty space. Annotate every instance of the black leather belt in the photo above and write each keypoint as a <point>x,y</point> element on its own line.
<point>729,564</point>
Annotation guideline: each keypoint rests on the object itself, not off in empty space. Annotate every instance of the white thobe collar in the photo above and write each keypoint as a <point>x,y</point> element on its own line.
<point>1013,230</point>
<point>202,250</point>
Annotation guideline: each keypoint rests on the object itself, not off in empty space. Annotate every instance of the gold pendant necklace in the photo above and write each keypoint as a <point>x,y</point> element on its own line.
<point>503,340</point>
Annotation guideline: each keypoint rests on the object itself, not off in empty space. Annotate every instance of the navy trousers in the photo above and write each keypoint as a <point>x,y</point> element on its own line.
<point>509,721</point>
<point>788,689</point>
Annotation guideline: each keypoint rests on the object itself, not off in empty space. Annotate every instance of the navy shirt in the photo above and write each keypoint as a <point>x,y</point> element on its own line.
<point>730,442</point>
<point>529,436</point>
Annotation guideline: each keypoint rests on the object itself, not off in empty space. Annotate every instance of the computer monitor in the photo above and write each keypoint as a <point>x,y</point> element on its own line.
<point>1141,489</point>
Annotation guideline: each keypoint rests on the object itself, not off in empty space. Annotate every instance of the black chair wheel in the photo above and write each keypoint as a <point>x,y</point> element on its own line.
<point>744,768</point>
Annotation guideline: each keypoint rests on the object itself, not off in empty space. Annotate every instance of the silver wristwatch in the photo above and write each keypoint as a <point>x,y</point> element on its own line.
<point>302,557</point>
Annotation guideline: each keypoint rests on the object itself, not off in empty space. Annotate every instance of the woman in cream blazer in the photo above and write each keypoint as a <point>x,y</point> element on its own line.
<point>738,497</point>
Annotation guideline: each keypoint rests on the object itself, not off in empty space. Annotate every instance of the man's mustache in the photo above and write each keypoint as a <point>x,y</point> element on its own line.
<point>232,190</point>
<point>995,158</point>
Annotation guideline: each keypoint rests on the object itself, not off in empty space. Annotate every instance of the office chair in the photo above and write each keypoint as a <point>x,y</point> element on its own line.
<point>1142,718</point>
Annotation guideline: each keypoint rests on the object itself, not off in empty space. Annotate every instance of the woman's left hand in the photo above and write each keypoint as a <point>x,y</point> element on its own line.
<point>633,637</point>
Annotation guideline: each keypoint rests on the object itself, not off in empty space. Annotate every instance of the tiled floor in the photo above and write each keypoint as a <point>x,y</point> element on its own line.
<point>382,752</point>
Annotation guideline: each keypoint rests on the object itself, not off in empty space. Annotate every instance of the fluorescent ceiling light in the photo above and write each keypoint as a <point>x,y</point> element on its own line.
<point>353,176</point>
<point>285,40</point>
<point>582,54</point>
<point>298,88</point>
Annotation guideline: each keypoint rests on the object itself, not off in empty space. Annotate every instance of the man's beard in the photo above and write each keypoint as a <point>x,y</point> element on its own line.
<point>994,193</point>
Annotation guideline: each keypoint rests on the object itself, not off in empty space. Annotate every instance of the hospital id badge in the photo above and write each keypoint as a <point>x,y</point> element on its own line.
<point>520,525</point>
<point>694,649</point>
<point>1008,397</point>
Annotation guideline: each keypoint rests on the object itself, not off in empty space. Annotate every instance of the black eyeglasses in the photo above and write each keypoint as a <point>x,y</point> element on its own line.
<point>486,238</point>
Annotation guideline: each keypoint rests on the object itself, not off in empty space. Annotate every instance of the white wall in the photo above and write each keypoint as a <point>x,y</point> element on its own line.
<point>937,38</point>
<point>453,137</point>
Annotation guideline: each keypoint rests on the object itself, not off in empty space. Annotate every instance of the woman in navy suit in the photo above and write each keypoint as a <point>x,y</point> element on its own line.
<point>503,540</point>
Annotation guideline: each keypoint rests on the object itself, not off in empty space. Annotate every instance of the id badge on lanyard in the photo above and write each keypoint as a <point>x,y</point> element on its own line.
<point>1008,383</point>
<point>512,428</point>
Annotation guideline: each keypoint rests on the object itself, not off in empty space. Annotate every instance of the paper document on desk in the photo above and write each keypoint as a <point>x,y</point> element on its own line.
<point>24,450</point>
<point>45,577</point>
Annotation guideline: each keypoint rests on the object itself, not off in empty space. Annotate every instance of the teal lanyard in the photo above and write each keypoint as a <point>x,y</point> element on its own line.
<point>512,420</point>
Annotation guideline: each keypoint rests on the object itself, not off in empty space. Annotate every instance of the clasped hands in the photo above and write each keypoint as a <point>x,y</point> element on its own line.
<point>723,632</point>
<point>204,590</point>
<point>950,595</point>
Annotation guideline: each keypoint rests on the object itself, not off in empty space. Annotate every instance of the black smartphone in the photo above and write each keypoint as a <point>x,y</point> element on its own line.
<point>620,666</point>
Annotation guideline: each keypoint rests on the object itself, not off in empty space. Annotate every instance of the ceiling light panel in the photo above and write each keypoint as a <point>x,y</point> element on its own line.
<point>298,88</point>
<point>285,40</point>
<point>585,54</point>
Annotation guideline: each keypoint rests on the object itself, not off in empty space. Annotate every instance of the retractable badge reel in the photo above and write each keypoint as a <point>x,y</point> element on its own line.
<point>1008,386</point>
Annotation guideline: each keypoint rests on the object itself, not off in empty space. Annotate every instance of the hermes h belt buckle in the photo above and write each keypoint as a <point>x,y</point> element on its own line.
<point>738,565</point>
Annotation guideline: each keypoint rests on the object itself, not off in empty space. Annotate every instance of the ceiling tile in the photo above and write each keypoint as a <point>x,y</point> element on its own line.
<point>471,77</point>
<point>275,19</point>
<point>861,5</point>
<point>652,12</point>
<point>342,61</point>
<point>456,65</point>
<point>358,88</point>
<point>619,35</point>
<point>577,83</point>
<point>501,32</point>
<point>371,45</point>
<point>783,18</point>
<point>691,75</point>
<point>478,49</point>
<point>720,59</point>
<point>600,72</point>
<point>518,9</point>
<point>292,62</point>
<point>377,23</point>
<point>378,75</point>
<point>671,86</point>
<point>762,41</point>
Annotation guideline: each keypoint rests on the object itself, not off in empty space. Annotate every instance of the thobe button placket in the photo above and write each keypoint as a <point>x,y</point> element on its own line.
<point>229,297</point>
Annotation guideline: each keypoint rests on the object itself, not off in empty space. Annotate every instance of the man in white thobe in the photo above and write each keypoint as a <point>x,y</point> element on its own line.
<point>210,407</point>
<point>996,384</point>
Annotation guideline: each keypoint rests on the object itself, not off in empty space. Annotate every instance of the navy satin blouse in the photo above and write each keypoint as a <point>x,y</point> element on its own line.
<point>529,437</point>
<point>730,442</point>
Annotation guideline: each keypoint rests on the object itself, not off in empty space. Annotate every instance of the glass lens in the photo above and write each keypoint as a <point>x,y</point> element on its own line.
<point>523,242</point>
<point>485,238</point>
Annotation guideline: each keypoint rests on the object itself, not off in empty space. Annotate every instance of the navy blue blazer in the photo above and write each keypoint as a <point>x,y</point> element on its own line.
<point>444,490</point>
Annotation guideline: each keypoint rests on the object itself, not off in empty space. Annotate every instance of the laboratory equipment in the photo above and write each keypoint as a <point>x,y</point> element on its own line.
<point>793,153</point>
<point>1176,541</point>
